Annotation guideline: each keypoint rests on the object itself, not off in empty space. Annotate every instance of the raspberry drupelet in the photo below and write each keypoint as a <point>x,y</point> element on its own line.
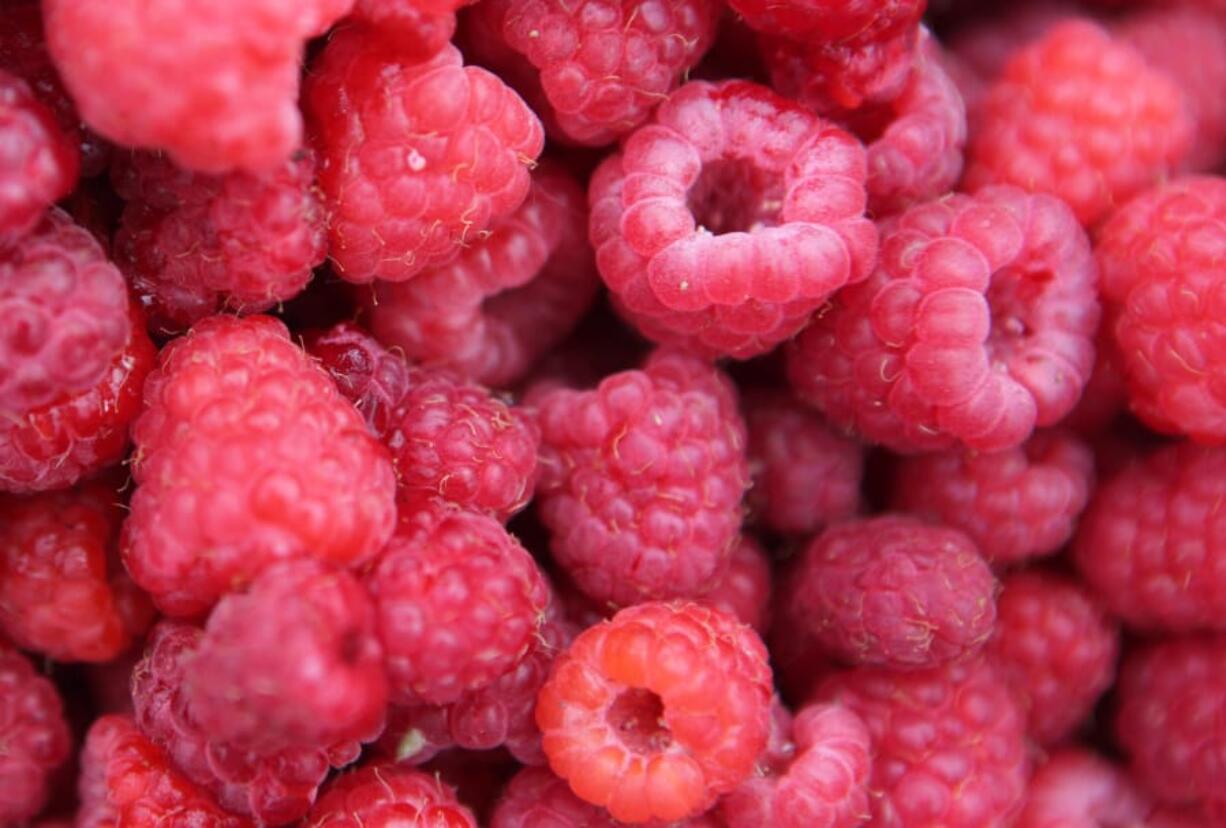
<point>389,795</point>
<point>38,162</point>
<point>641,480</point>
<point>725,222</point>
<point>417,159</point>
<point>657,712</point>
<point>976,327</point>
<point>36,739</point>
<point>1076,788</point>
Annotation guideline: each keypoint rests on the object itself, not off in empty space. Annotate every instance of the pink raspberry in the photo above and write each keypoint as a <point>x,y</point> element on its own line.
<point>893,591</point>
<point>38,162</point>
<point>725,222</point>
<point>389,795</point>
<point>1016,504</point>
<point>1075,788</point>
<point>215,86</point>
<point>505,302</point>
<point>744,590</point>
<point>976,327</point>
<point>417,159</point>
<point>1056,648</point>
<point>805,475</point>
<point>36,737</point>
<point>195,244</point>
<point>948,744</point>
<point>246,454</point>
<point>657,712</point>
<point>642,479</point>
<point>1079,114</point>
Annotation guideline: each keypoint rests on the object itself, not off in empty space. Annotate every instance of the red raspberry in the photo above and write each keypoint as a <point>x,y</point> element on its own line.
<point>893,591</point>
<point>1016,504</point>
<point>38,162</point>
<point>976,327</point>
<point>657,712</point>
<point>830,22</point>
<point>65,311</point>
<point>35,736</point>
<point>1075,788</point>
<point>389,795</point>
<point>1150,541</point>
<point>744,590</point>
<point>1161,273</point>
<point>805,475</point>
<point>948,744</point>
<point>62,591</point>
<point>824,784</point>
<point>459,603</point>
<point>417,159</point>
<point>1080,114</point>
<point>723,224</point>
<point>503,303</point>
<point>195,244</point>
<point>1056,648</point>
<point>642,479</point>
<point>215,86</point>
<point>246,453</point>
<point>417,28</point>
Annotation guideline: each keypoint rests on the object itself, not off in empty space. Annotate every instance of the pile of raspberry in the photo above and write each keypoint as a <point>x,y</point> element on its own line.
<point>664,413</point>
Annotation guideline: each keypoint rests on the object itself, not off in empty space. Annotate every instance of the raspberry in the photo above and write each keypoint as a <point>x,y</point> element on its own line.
<point>1161,274</point>
<point>893,591</point>
<point>744,591</point>
<point>642,478</point>
<point>723,224</point>
<point>66,315</point>
<point>1149,542</point>
<point>1080,114</point>
<point>389,795</point>
<point>38,161</point>
<point>246,453</point>
<point>194,244</point>
<point>1075,788</point>
<point>417,159</point>
<point>458,600</point>
<point>976,327</point>
<point>1056,648</point>
<point>497,308</point>
<point>214,86</point>
<point>36,738</point>
<point>1016,504</point>
<point>830,22</point>
<point>417,28</point>
<point>804,474</point>
<point>948,744</point>
<point>824,784</point>
<point>62,591</point>
<point>657,712</point>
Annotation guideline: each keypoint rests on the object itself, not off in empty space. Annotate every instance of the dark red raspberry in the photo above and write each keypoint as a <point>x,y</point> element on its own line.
<point>805,475</point>
<point>1079,114</point>
<point>35,737</point>
<point>502,303</point>
<point>62,590</point>
<point>976,327</point>
<point>417,159</point>
<point>215,86</point>
<point>642,479</point>
<point>417,28</point>
<point>65,312</point>
<point>38,162</point>
<point>389,795</point>
<point>1056,648</point>
<point>195,244</point>
<point>657,712</point>
<point>1075,788</point>
<point>1015,504</point>
<point>725,222</point>
<point>893,591</point>
<point>246,453</point>
<point>744,590</point>
<point>1150,541</point>
<point>948,744</point>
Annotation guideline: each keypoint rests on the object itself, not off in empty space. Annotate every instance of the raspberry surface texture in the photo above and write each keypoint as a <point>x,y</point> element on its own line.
<point>389,795</point>
<point>36,737</point>
<point>1075,787</point>
<point>744,591</point>
<point>419,28</point>
<point>39,163</point>
<point>725,222</point>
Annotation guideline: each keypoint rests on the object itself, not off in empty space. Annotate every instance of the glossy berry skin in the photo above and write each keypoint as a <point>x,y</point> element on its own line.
<point>893,591</point>
<point>948,744</point>
<point>39,162</point>
<point>1016,504</point>
<point>389,795</point>
<point>725,222</point>
<point>416,159</point>
<point>36,737</point>
<point>1076,788</point>
<point>247,454</point>
<point>642,478</point>
<point>744,590</point>
<point>657,712</point>
<point>215,87</point>
<point>976,327</point>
